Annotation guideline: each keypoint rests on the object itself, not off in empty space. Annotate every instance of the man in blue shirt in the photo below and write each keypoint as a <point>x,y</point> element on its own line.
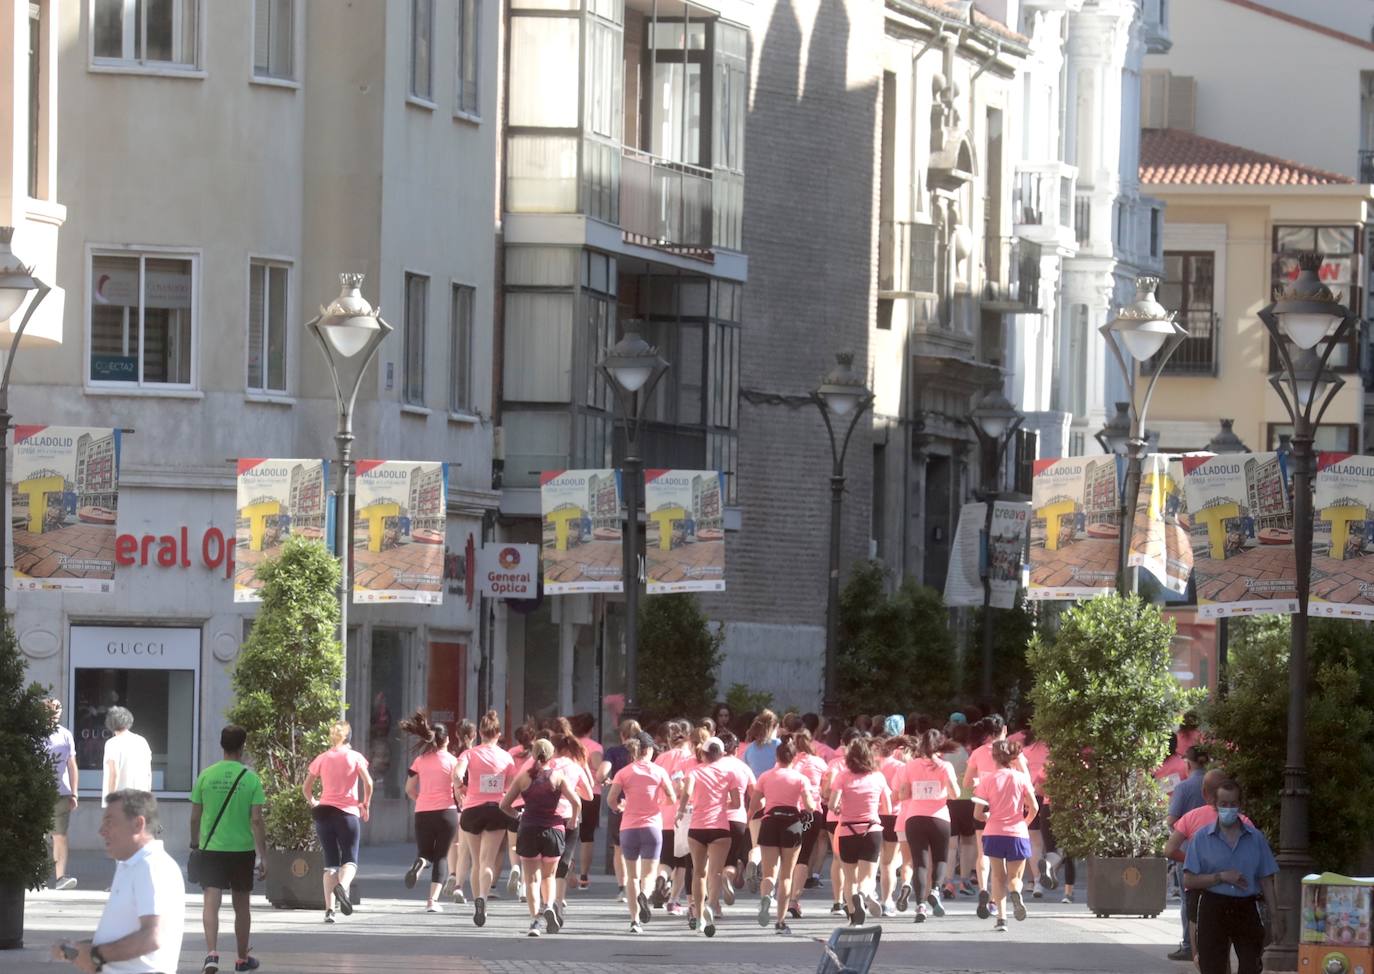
<point>1231,863</point>
<point>1188,795</point>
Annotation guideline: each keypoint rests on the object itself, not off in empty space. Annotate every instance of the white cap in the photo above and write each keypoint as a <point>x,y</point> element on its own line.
<point>715,744</point>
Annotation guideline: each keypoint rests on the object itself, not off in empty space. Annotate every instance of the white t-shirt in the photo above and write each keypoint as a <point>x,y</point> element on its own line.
<point>148,883</point>
<point>133,761</point>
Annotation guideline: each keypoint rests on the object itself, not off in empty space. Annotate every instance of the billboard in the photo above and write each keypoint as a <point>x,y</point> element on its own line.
<point>276,499</point>
<point>1159,537</point>
<point>1343,537</point>
<point>684,540</point>
<point>1075,528</point>
<point>581,541</point>
<point>399,511</point>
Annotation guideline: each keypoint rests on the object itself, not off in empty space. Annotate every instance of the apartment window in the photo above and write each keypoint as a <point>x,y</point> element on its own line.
<point>422,49</point>
<point>925,258</point>
<point>1340,270</point>
<point>417,296</point>
<point>267,304</point>
<point>145,32</point>
<point>274,39</point>
<point>142,312</point>
<point>469,26</point>
<point>460,350</point>
<point>1189,285</point>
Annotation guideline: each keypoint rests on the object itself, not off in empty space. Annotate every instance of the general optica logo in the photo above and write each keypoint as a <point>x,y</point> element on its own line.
<point>508,558</point>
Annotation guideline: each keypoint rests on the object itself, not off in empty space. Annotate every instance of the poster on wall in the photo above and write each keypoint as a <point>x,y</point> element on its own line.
<point>581,547</point>
<point>1343,537</point>
<point>1242,534</point>
<point>1159,537</point>
<point>1075,528</point>
<point>276,500</point>
<point>399,511</point>
<point>684,534</point>
<point>64,499</point>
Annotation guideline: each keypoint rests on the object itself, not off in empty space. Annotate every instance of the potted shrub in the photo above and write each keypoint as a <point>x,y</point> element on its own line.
<point>286,687</point>
<point>1105,704</point>
<point>26,781</point>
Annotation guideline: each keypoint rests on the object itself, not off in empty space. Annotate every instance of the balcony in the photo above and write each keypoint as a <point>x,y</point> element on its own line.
<point>1199,352</point>
<point>1012,275</point>
<point>1043,203</point>
<point>1366,165</point>
<point>665,204</point>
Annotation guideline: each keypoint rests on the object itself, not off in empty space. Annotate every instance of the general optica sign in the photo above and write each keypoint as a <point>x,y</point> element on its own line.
<point>215,550</point>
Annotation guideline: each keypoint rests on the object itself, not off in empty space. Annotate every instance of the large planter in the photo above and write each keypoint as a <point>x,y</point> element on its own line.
<point>294,880</point>
<point>1127,887</point>
<point>11,916</point>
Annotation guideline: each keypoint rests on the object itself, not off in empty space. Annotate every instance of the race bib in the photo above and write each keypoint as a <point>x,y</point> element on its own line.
<point>927,791</point>
<point>490,784</point>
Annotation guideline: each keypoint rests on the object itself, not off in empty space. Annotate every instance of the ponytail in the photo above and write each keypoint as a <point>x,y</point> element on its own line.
<point>432,737</point>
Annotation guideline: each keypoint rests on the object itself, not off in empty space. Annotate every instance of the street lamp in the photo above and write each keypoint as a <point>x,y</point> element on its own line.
<point>1146,330</point>
<point>995,422</point>
<point>843,393</point>
<point>349,332</point>
<point>1304,314</point>
<point>633,368</point>
<point>1115,435</point>
<point>16,283</point>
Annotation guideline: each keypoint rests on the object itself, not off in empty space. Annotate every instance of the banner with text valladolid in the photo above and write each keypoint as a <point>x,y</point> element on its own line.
<point>1159,538</point>
<point>1241,527</point>
<point>581,542</point>
<point>399,509</point>
<point>1075,527</point>
<point>684,536</point>
<point>64,497</point>
<point>276,499</point>
<point>1343,537</point>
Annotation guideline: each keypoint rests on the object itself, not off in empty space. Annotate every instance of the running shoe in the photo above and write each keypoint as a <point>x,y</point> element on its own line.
<point>450,885</point>
<point>635,927</point>
<point>620,894</point>
<point>992,909</point>
<point>550,920</point>
<point>752,875</point>
<point>341,898</point>
<point>558,907</point>
<point>660,894</point>
<point>1068,898</point>
<point>645,914</point>
<point>875,909</point>
<point>737,878</point>
<point>1018,906</point>
<point>904,897</point>
<point>65,882</point>
<point>1000,926</point>
<point>856,910</point>
<point>416,867</point>
<point>1048,867</point>
<point>534,929</point>
<point>675,908</point>
<point>813,881</point>
<point>513,883</point>
<point>583,882</point>
<point>708,922</point>
<point>458,896</point>
<point>328,918</point>
<point>727,892</point>
<point>1183,953</point>
<point>211,965</point>
<point>936,907</point>
<point>838,907</point>
<point>765,909</point>
<point>947,891</point>
<point>691,919</point>
<point>1037,894</point>
<point>921,910</point>
<point>794,911</point>
<point>246,964</point>
<point>889,908</point>
<point>983,899</point>
<point>782,930</point>
<point>479,911</point>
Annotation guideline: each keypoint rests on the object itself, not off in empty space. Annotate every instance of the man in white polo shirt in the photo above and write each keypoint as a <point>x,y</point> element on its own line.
<point>140,930</point>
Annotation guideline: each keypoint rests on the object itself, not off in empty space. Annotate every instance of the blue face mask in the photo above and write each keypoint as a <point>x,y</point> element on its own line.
<point>1228,816</point>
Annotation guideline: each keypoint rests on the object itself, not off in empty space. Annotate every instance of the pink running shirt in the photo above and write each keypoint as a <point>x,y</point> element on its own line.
<point>434,771</point>
<point>674,763</point>
<point>861,795</point>
<point>742,777</point>
<point>490,771</point>
<point>338,770</point>
<point>643,784</point>
<point>833,770</point>
<point>1004,790</point>
<point>812,769</point>
<point>783,788</point>
<point>928,780</point>
<point>711,785</point>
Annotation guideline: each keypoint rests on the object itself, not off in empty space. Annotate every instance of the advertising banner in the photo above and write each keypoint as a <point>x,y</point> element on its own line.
<point>1159,538</point>
<point>509,571</point>
<point>1006,550</point>
<point>1343,537</point>
<point>1075,528</point>
<point>64,495</point>
<point>581,533</point>
<point>964,580</point>
<point>1242,534</point>
<point>399,511</point>
<point>684,537</point>
<point>276,499</point>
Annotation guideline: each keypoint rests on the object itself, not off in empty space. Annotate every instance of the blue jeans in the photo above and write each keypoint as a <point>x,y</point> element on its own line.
<point>1182,905</point>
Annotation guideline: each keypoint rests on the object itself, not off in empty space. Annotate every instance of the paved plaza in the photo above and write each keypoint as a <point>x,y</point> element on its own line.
<point>391,932</point>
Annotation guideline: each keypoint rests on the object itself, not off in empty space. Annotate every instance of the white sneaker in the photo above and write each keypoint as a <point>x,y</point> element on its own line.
<point>620,895</point>
<point>434,908</point>
<point>513,884</point>
<point>889,908</point>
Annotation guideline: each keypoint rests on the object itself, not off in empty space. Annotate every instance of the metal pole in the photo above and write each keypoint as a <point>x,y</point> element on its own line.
<point>830,705</point>
<point>1126,579</point>
<point>633,467</point>
<point>1223,654</point>
<point>988,497</point>
<point>343,541</point>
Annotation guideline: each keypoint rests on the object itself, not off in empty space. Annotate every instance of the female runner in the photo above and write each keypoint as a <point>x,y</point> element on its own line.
<point>541,837</point>
<point>709,793</point>
<point>337,812</point>
<point>488,770</point>
<point>861,794</point>
<point>926,786</point>
<point>430,783</point>
<point>1005,801</point>
<point>784,795</point>
<point>643,786</point>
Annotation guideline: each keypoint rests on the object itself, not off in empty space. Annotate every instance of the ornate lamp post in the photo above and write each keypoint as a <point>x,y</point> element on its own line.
<point>349,332</point>
<point>633,368</point>
<point>843,393</point>
<point>1304,314</point>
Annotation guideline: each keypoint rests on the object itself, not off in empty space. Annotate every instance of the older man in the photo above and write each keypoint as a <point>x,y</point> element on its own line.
<point>140,929</point>
<point>128,763</point>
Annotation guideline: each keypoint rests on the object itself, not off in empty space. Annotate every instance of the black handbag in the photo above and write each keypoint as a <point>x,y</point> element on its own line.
<point>193,861</point>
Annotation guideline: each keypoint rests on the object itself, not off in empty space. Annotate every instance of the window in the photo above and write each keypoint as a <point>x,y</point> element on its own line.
<point>389,674</point>
<point>142,319</point>
<point>1335,437</point>
<point>274,39</point>
<point>267,304</point>
<point>422,49</point>
<point>1340,271</point>
<point>1188,285</point>
<point>925,258</point>
<point>469,26</point>
<point>417,296</point>
<point>145,32</point>
<point>460,351</point>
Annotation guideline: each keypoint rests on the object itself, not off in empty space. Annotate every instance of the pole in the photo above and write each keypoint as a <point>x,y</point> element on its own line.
<point>1223,654</point>
<point>633,467</point>
<point>1126,579</point>
<point>40,292</point>
<point>830,705</point>
<point>988,500</point>
<point>343,541</point>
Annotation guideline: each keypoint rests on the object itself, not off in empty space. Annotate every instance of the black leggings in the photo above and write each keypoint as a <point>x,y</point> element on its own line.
<point>926,834</point>
<point>1052,845</point>
<point>434,832</point>
<point>573,842</point>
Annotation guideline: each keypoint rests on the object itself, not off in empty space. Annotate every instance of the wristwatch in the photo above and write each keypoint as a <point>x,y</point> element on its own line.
<point>97,958</point>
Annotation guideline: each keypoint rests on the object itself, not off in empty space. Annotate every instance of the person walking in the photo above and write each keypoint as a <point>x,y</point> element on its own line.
<point>488,771</point>
<point>708,794</point>
<point>541,838</point>
<point>128,761</point>
<point>229,832</point>
<point>673,758</point>
<point>140,928</point>
<point>636,795</point>
<point>338,814</point>
<point>742,844</point>
<point>1187,796</point>
<point>613,759</point>
<point>785,797</point>
<point>925,786</point>
<point>430,783</point>
<point>62,753</point>
<point>812,767</point>
<point>1005,801</point>
<point>1232,866</point>
<point>860,793</point>
<point>582,726</point>
<point>893,866</point>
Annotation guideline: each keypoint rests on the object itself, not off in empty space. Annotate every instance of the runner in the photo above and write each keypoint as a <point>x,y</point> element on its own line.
<point>724,717</point>
<point>430,783</point>
<point>785,798</point>
<point>832,815</point>
<point>616,757</point>
<point>1036,754</point>
<point>861,794</point>
<point>893,867</point>
<point>541,837</point>
<point>487,771</point>
<point>637,791</point>
<point>962,851</point>
<point>668,888</point>
<point>708,794</point>
<point>743,846</point>
<point>571,759</point>
<point>458,865</point>
<point>808,873</point>
<point>1005,801</point>
<point>980,763</point>
<point>337,812</point>
<point>524,737</point>
<point>926,786</point>
<point>582,725</point>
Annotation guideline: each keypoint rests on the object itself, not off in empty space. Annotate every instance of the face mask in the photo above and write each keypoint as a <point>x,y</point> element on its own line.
<point>1228,816</point>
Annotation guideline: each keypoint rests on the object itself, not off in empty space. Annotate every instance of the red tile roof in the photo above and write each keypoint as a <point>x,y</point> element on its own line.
<point>1173,157</point>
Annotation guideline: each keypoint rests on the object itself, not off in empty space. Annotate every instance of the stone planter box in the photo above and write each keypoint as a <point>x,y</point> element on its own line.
<point>294,878</point>
<point>1128,887</point>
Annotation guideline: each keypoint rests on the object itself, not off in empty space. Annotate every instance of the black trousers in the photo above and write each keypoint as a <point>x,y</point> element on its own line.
<point>1224,922</point>
<point>434,832</point>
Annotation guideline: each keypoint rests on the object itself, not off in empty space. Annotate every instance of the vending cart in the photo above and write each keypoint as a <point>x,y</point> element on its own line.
<point>1336,925</point>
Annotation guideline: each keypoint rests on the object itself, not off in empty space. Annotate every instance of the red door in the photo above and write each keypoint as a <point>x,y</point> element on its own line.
<point>446,693</point>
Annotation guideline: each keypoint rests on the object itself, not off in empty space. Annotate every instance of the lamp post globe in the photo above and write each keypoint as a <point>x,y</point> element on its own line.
<point>994,415</point>
<point>349,323</point>
<point>631,362</point>
<point>1145,325</point>
<point>1307,309</point>
<point>843,388</point>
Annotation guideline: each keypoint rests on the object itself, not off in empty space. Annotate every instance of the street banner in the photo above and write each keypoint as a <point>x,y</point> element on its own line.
<point>581,533</point>
<point>1075,528</point>
<point>1241,527</point>
<point>399,511</point>
<point>64,497</point>
<point>1159,537</point>
<point>963,582</point>
<point>509,571</point>
<point>1005,556</point>
<point>1343,537</point>
<point>276,499</point>
<point>684,536</point>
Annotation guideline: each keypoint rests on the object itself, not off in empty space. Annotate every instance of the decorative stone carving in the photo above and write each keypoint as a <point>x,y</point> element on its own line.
<point>224,647</point>
<point>39,643</point>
